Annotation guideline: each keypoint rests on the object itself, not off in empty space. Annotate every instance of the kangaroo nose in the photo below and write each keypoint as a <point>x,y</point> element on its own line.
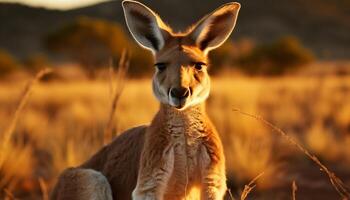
<point>180,92</point>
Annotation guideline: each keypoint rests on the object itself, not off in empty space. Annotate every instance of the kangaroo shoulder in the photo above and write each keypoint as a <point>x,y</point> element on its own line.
<point>127,145</point>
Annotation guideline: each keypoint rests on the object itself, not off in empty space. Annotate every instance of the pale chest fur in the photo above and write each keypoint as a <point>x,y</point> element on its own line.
<point>186,136</point>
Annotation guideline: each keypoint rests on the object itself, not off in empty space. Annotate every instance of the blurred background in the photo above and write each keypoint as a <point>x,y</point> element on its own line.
<point>288,61</point>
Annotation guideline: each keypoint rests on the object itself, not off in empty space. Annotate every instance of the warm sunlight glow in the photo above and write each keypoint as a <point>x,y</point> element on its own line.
<point>56,4</point>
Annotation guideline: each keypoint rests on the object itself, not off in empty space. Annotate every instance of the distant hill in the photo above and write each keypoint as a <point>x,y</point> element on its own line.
<point>322,25</point>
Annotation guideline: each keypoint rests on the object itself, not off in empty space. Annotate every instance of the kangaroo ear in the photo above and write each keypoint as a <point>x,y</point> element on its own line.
<point>211,31</point>
<point>145,26</point>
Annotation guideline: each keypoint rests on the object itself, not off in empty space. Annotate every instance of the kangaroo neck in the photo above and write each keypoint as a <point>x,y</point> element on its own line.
<point>171,115</point>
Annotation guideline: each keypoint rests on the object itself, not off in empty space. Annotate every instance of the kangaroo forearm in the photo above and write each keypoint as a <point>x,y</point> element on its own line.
<point>154,174</point>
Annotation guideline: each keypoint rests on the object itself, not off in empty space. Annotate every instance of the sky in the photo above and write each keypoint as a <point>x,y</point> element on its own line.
<point>56,4</point>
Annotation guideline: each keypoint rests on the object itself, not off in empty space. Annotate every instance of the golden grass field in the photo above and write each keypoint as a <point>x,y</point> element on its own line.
<point>63,123</point>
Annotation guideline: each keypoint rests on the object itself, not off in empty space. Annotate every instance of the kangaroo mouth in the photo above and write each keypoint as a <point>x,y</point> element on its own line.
<point>178,103</point>
<point>181,104</point>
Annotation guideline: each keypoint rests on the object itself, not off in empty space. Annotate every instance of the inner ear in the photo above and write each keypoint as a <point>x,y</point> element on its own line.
<point>213,35</point>
<point>146,27</point>
<point>210,32</point>
<point>151,36</point>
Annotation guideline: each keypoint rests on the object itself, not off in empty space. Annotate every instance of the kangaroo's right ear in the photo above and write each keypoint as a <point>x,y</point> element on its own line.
<point>145,26</point>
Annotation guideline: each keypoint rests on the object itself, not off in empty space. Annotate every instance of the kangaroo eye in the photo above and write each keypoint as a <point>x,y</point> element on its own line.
<point>199,65</point>
<point>160,66</point>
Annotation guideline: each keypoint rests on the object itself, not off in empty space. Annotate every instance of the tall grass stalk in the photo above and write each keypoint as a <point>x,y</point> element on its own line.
<point>9,195</point>
<point>294,190</point>
<point>43,188</point>
<point>336,182</point>
<point>250,186</point>
<point>116,89</point>
<point>6,137</point>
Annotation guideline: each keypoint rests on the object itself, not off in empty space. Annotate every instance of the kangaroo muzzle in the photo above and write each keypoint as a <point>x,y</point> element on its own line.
<point>178,96</point>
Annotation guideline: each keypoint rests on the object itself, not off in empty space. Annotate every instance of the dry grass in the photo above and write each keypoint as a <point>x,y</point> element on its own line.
<point>65,121</point>
<point>14,156</point>
<point>252,156</point>
<point>116,91</point>
<point>294,190</point>
<point>6,136</point>
<point>250,186</point>
<point>44,190</point>
<point>337,183</point>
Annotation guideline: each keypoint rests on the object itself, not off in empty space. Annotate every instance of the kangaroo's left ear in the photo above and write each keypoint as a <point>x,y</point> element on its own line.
<point>146,26</point>
<point>211,31</point>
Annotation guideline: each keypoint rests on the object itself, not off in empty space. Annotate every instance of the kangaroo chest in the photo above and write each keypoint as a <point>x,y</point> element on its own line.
<point>186,137</point>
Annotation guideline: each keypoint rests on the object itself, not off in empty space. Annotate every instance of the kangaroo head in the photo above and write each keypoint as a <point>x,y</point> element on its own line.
<point>181,59</point>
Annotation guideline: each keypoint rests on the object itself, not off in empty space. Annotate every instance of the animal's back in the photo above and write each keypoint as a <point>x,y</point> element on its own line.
<point>115,164</point>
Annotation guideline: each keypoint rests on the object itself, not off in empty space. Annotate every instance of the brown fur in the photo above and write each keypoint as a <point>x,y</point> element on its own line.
<point>180,150</point>
<point>117,161</point>
<point>188,154</point>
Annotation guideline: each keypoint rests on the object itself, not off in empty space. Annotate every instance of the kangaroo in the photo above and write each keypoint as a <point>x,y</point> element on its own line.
<point>180,149</point>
